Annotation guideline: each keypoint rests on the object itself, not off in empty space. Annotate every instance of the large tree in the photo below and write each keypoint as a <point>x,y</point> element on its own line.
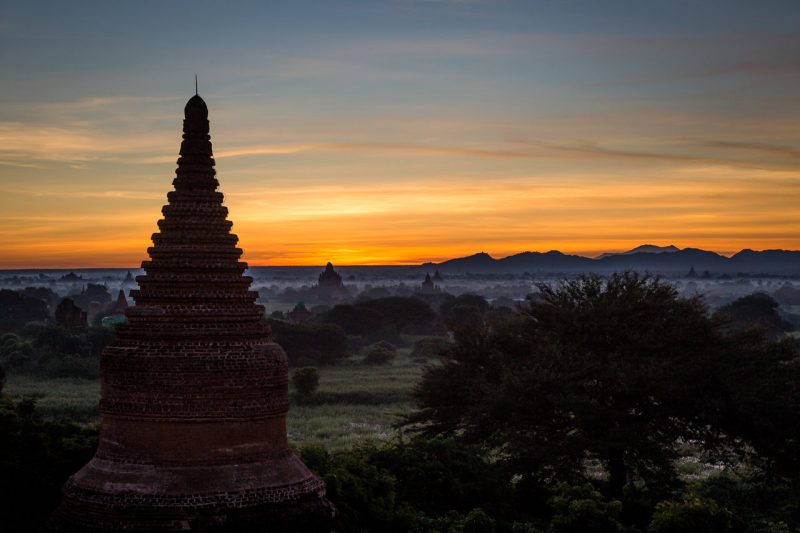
<point>612,372</point>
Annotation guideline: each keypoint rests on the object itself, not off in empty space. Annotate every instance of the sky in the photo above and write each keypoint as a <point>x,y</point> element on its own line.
<point>403,131</point>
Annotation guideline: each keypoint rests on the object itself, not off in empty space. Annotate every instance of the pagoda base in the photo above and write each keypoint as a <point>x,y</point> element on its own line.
<point>108,496</point>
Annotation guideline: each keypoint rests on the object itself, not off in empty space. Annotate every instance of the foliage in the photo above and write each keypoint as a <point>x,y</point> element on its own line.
<point>403,314</point>
<point>429,347</point>
<point>379,353</point>
<point>605,370</point>
<point>36,457</point>
<point>582,509</point>
<point>356,320</point>
<point>464,311</point>
<point>18,309</point>
<point>46,294</point>
<point>310,343</point>
<point>305,381</point>
<point>15,351</point>
<point>92,292</point>
<point>363,494</point>
<point>755,500</point>
<point>409,486</point>
<point>477,521</point>
<point>435,476</point>
<point>757,310</point>
<point>694,514</point>
<point>52,350</point>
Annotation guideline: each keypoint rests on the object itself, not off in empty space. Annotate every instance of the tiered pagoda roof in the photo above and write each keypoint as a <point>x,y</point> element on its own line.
<point>194,393</point>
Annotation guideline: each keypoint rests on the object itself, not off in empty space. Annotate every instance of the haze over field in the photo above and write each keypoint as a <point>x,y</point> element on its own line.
<point>403,132</point>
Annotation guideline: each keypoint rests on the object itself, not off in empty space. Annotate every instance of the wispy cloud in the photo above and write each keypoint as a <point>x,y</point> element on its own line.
<point>771,149</point>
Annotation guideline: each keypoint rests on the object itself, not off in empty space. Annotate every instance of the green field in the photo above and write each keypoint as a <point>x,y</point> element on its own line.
<point>354,402</point>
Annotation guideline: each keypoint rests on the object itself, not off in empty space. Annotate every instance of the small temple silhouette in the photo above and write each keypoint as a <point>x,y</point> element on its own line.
<point>194,394</point>
<point>428,286</point>
<point>330,287</point>
<point>70,316</point>
<point>329,279</point>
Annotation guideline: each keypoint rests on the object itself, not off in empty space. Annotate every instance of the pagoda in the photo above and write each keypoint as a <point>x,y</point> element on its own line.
<point>193,391</point>
<point>329,279</point>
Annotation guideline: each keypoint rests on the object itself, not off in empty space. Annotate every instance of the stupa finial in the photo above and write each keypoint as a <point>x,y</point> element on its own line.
<point>195,86</point>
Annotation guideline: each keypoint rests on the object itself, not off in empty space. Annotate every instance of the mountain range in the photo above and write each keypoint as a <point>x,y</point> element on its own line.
<point>666,260</point>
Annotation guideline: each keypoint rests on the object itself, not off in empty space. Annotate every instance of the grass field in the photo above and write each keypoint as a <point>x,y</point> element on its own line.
<point>354,402</point>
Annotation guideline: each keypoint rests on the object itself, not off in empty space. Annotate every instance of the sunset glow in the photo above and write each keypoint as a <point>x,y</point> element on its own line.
<point>403,132</point>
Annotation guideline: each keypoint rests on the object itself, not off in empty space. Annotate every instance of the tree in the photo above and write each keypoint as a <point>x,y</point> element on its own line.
<point>379,353</point>
<point>355,319</point>
<point>466,310</point>
<point>757,310</point>
<point>36,458</point>
<point>592,369</point>
<point>17,309</point>
<point>93,292</point>
<point>402,313</point>
<point>306,381</point>
<point>310,343</point>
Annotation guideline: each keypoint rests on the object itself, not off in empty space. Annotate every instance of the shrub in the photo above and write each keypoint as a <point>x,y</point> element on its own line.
<point>429,347</point>
<point>379,353</point>
<point>317,343</point>
<point>16,310</point>
<point>15,352</point>
<point>584,509</point>
<point>306,381</point>
<point>477,521</point>
<point>692,514</point>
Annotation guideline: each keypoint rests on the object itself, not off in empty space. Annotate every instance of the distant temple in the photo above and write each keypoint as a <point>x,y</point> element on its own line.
<point>299,314</point>
<point>121,304</point>
<point>194,394</point>
<point>72,277</point>
<point>437,278</point>
<point>329,279</point>
<point>128,279</point>
<point>70,315</point>
<point>428,286</point>
<point>117,315</point>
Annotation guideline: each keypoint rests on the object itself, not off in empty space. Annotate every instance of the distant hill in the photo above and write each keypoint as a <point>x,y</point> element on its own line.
<point>667,260</point>
<point>644,248</point>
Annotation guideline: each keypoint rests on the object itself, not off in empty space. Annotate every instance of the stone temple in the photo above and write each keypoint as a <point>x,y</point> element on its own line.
<point>194,393</point>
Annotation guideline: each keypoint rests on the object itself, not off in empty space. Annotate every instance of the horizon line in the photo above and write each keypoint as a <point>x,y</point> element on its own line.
<point>727,255</point>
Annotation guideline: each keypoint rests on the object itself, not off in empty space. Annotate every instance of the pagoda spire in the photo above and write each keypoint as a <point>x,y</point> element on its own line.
<point>194,394</point>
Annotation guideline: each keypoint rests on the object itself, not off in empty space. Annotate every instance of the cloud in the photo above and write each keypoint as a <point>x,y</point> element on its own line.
<point>771,149</point>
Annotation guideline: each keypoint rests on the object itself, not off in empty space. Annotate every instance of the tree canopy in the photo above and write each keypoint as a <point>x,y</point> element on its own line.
<point>613,372</point>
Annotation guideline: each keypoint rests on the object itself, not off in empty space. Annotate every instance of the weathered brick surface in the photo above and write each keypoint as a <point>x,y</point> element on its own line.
<point>193,392</point>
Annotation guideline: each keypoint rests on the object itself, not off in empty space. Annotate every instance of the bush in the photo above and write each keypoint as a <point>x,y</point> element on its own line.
<point>379,353</point>
<point>692,514</point>
<point>310,343</point>
<point>429,347</point>
<point>36,458</point>
<point>16,353</point>
<point>583,509</point>
<point>477,521</point>
<point>363,494</point>
<point>16,310</point>
<point>306,381</point>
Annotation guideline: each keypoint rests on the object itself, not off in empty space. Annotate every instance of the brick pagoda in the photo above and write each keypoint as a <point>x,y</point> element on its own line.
<point>194,393</point>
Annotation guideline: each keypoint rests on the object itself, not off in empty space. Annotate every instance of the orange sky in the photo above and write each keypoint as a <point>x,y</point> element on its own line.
<point>399,134</point>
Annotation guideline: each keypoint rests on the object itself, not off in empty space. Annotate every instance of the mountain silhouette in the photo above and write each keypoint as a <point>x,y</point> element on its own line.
<point>644,248</point>
<point>667,260</point>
